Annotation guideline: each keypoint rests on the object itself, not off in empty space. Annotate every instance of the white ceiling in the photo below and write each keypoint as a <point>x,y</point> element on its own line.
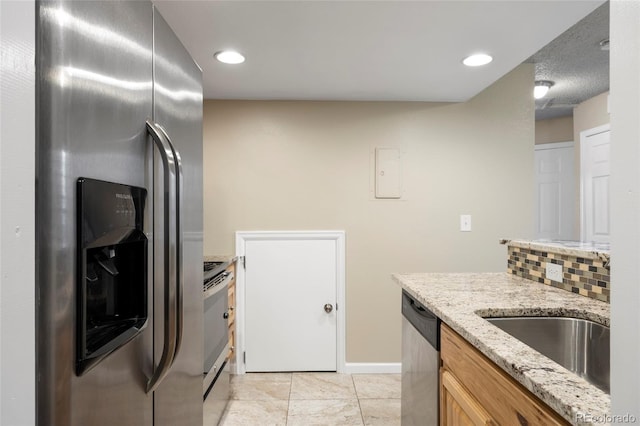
<point>364,50</point>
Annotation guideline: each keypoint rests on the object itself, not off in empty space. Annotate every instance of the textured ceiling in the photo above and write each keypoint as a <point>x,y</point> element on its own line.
<point>576,64</point>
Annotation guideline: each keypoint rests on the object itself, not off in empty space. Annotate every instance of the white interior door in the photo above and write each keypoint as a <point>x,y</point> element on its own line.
<point>554,177</point>
<point>594,172</point>
<point>288,282</point>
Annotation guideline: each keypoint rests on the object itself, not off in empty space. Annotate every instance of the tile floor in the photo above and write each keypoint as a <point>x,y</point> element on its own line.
<point>313,399</point>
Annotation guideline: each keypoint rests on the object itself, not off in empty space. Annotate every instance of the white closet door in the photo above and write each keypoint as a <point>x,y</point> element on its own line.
<point>554,177</point>
<point>595,171</point>
<point>288,282</point>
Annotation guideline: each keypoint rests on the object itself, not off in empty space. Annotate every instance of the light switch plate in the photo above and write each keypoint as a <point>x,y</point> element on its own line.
<point>554,272</point>
<point>465,222</point>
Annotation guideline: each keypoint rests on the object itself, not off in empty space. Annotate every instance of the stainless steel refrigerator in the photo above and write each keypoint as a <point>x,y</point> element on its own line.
<point>118,217</point>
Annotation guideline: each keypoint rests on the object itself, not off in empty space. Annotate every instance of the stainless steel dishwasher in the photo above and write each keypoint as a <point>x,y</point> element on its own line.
<point>420,363</point>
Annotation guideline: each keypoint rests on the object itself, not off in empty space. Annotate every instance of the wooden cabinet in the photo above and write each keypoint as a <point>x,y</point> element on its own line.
<point>475,391</point>
<point>459,408</point>
<point>232,312</point>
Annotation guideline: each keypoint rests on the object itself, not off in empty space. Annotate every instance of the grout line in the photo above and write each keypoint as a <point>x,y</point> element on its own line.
<point>358,399</point>
<point>286,419</point>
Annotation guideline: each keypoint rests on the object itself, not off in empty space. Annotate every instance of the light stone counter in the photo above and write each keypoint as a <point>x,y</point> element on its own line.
<point>220,258</point>
<point>462,299</point>
<point>587,250</point>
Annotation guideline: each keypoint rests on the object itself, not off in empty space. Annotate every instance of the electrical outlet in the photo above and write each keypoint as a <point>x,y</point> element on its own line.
<point>554,272</point>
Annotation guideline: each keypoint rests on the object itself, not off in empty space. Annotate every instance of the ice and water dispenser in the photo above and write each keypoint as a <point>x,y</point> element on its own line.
<point>112,269</point>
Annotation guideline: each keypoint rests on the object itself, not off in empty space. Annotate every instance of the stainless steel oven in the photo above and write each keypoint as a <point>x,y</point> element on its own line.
<point>216,335</point>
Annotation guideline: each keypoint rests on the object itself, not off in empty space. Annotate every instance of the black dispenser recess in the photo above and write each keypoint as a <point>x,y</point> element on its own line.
<point>112,269</point>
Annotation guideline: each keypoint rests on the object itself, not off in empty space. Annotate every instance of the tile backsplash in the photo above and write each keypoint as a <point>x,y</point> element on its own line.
<point>582,275</point>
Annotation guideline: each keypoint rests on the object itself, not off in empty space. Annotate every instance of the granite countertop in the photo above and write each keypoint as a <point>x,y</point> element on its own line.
<point>225,258</point>
<point>587,250</point>
<point>462,299</point>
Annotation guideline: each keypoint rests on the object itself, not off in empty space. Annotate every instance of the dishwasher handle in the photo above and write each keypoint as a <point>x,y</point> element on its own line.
<point>424,321</point>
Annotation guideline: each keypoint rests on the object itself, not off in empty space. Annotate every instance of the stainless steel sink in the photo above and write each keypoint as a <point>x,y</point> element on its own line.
<point>581,346</point>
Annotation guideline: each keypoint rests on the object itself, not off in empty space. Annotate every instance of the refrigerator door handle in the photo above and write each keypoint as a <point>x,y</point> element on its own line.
<point>179,254</point>
<point>170,319</point>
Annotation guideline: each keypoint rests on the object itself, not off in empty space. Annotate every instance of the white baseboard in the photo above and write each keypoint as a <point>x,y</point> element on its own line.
<point>351,367</point>
<point>373,368</point>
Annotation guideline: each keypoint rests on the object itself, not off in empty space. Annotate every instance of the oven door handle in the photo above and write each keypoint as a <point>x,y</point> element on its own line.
<point>169,254</point>
<point>228,276</point>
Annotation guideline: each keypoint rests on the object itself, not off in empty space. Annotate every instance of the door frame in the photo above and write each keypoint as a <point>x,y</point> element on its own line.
<point>241,239</point>
<point>583,138</point>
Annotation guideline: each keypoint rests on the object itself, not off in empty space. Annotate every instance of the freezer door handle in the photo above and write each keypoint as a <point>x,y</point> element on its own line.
<point>178,260</point>
<point>169,200</point>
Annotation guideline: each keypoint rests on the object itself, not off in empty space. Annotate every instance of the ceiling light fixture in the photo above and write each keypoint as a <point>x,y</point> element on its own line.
<point>477,60</point>
<point>604,44</point>
<point>541,88</point>
<point>229,57</point>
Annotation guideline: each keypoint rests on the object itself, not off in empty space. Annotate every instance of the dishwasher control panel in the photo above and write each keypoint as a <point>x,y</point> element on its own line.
<point>425,321</point>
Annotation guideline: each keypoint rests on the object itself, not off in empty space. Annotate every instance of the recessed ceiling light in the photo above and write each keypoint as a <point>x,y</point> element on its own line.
<point>229,57</point>
<point>477,60</point>
<point>541,88</point>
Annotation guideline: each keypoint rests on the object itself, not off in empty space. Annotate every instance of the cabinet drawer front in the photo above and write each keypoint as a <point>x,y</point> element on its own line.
<point>506,400</point>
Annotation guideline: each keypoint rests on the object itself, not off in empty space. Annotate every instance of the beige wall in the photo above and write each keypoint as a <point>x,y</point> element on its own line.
<point>587,115</point>
<point>554,130</point>
<point>307,165</point>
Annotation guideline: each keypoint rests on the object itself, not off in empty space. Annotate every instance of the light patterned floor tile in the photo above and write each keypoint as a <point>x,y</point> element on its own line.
<point>322,386</point>
<point>380,412</point>
<point>261,386</point>
<point>324,412</point>
<point>311,399</point>
<point>377,385</point>
<point>263,413</point>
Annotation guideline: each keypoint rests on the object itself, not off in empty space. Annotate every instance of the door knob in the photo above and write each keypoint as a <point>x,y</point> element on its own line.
<point>328,308</point>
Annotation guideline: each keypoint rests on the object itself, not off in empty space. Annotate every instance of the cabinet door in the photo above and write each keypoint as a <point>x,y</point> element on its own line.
<point>232,314</point>
<point>232,302</point>
<point>232,343</point>
<point>458,407</point>
<point>508,402</point>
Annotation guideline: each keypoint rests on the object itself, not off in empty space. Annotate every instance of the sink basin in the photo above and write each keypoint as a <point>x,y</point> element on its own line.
<point>579,345</point>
